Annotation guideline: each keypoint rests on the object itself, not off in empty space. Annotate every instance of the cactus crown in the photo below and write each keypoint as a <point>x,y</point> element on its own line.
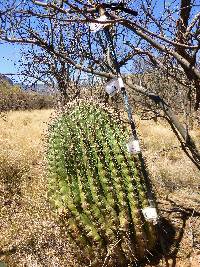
<point>95,182</point>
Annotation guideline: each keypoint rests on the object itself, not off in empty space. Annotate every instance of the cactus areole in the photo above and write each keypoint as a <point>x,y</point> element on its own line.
<point>98,186</point>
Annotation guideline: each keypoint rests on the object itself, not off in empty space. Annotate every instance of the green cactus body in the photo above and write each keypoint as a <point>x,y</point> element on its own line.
<point>94,179</point>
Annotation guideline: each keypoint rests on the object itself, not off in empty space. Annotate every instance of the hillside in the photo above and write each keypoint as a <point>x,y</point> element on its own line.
<point>4,78</point>
<point>13,97</point>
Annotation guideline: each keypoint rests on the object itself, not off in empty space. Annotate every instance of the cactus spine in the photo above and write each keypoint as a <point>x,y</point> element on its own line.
<point>95,180</point>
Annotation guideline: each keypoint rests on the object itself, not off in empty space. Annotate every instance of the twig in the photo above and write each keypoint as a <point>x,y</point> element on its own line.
<point>109,252</point>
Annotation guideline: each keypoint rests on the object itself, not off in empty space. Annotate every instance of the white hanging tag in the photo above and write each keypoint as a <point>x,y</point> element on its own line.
<point>133,146</point>
<point>150,214</point>
<point>112,87</point>
<point>39,2</point>
<point>95,26</point>
<point>121,83</point>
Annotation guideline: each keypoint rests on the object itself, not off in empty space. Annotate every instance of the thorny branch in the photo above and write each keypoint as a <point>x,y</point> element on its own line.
<point>164,41</point>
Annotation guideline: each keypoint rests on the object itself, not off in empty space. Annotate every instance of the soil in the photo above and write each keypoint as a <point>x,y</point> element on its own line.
<point>180,213</point>
<point>179,229</point>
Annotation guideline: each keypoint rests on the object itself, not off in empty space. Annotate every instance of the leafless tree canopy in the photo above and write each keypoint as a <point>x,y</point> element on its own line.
<point>149,37</point>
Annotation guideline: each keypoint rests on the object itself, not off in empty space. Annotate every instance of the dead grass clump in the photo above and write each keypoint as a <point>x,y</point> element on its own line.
<point>20,149</point>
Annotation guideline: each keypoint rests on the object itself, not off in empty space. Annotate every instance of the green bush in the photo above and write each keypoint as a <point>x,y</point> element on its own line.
<point>95,183</point>
<point>12,97</point>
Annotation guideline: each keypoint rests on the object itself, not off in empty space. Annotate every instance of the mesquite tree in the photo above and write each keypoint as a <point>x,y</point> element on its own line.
<point>38,66</point>
<point>166,35</point>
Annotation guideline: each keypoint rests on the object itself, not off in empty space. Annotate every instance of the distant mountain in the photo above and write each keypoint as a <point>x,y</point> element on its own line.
<point>39,88</point>
<point>5,78</point>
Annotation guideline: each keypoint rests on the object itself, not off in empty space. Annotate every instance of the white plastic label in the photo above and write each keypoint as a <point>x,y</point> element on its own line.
<point>112,87</point>
<point>133,146</point>
<point>150,214</point>
<point>121,83</point>
<point>95,26</point>
<point>40,2</point>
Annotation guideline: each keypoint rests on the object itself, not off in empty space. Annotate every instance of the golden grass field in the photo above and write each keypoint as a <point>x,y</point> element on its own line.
<point>30,233</point>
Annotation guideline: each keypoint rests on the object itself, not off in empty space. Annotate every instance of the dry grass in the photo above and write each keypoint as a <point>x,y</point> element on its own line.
<point>169,166</point>
<point>31,236</point>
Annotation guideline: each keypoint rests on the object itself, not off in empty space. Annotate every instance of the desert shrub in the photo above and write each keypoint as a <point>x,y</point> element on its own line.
<point>98,187</point>
<point>14,98</point>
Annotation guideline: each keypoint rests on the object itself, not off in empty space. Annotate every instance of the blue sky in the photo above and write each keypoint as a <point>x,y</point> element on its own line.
<point>10,53</point>
<point>9,57</point>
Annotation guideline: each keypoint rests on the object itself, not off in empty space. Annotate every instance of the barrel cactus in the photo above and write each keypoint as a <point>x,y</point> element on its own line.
<point>99,187</point>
